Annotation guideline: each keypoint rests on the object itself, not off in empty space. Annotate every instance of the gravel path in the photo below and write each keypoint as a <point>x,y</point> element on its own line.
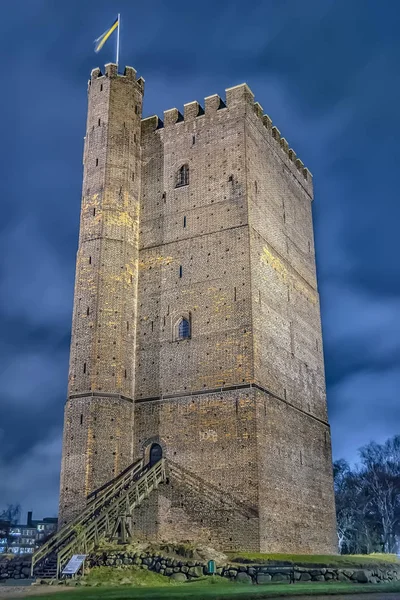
<point>22,591</point>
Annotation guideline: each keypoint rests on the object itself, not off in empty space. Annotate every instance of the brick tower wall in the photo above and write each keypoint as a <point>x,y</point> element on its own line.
<point>98,430</point>
<point>239,408</point>
<point>213,438</point>
<point>295,480</point>
<point>296,468</point>
<point>201,227</point>
<point>243,179</point>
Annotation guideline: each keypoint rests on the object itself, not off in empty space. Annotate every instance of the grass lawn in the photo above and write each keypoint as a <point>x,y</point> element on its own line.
<point>340,560</point>
<point>203,590</point>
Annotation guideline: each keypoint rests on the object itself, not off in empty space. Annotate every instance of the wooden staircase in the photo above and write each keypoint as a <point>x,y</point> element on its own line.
<point>108,514</point>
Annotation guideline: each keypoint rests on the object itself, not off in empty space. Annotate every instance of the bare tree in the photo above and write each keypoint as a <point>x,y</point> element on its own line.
<point>368,499</point>
<point>12,513</point>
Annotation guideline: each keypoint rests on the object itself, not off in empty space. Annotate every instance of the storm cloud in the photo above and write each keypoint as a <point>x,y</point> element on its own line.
<point>325,72</point>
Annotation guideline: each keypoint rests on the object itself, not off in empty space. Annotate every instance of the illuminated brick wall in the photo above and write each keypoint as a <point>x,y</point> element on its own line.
<point>239,407</point>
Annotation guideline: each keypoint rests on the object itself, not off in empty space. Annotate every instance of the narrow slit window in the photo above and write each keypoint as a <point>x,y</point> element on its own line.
<point>98,122</point>
<point>90,260</point>
<point>184,221</point>
<point>180,271</point>
<point>97,162</point>
<point>87,311</point>
<point>101,87</point>
<point>193,140</point>
<point>94,212</point>
<point>234,294</point>
<point>125,373</point>
<point>84,367</point>
<point>81,419</point>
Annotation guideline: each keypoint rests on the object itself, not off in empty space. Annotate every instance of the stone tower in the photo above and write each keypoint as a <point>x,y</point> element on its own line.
<point>98,422</point>
<point>227,368</point>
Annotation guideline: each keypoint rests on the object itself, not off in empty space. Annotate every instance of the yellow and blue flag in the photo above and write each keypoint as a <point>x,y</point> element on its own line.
<point>100,41</point>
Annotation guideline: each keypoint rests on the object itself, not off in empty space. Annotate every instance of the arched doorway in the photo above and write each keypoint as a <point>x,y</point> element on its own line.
<point>155,454</point>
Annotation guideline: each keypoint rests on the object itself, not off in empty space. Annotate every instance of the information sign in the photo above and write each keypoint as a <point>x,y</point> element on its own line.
<point>74,564</point>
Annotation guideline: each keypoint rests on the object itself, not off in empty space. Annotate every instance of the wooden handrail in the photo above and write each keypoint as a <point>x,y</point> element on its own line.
<point>62,536</point>
<point>102,524</point>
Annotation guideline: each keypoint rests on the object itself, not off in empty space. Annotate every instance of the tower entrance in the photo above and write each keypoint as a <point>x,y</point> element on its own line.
<point>155,454</point>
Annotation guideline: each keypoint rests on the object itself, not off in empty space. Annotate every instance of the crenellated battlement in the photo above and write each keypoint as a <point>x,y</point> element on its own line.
<point>237,98</point>
<point>111,71</point>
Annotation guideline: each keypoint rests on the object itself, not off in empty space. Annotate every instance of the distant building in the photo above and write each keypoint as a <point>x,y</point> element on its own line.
<point>24,539</point>
<point>4,533</point>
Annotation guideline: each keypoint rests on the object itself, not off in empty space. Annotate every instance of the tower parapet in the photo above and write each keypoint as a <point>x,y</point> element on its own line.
<point>239,97</point>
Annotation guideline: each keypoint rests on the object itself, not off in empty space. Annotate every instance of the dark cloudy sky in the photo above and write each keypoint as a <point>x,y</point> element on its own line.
<point>327,73</point>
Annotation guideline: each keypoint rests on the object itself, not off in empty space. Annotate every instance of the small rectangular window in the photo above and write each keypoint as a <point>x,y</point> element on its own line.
<point>234,294</point>
<point>84,367</point>
<point>94,212</point>
<point>180,271</point>
<point>98,122</point>
<point>134,137</point>
<point>81,419</point>
<point>90,260</point>
<point>184,221</point>
<point>194,140</point>
<point>97,162</point>
<point>125,373</point>
<point>101,87</point>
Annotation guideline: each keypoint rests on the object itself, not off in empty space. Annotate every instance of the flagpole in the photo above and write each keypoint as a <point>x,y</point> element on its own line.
<point>118,28</point>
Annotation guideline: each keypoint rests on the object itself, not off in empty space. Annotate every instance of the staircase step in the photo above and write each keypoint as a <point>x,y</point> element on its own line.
<point>128,490</point>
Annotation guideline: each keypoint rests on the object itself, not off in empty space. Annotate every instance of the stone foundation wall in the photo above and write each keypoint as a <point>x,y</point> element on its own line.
<point>183,569</point>
<point>15,567</point>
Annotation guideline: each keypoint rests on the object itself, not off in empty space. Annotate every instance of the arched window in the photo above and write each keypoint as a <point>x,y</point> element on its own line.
<point>183,176</point>
<point>155,454</point>
<point>184,329</point>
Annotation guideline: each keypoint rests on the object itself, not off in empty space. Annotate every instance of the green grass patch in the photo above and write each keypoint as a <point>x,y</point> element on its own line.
<point>133,576</point>
<point>320,560</point>
<point>205,591</point>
